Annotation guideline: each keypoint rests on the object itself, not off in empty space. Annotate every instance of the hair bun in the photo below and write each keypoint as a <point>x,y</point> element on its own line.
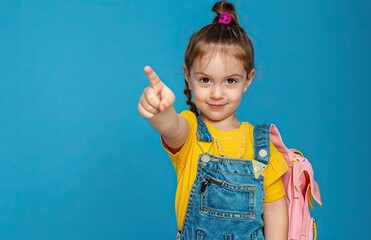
<point>225,6</point>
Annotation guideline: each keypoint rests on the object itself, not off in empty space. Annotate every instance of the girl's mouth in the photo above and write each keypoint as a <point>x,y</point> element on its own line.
<point>216,106</point>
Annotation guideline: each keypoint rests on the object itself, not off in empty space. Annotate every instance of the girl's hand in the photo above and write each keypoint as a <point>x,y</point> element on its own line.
<point>156,98</point>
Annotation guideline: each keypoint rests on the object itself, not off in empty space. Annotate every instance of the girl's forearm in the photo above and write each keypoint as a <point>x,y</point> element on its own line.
<point>173,128</point>
<point>165,122</point>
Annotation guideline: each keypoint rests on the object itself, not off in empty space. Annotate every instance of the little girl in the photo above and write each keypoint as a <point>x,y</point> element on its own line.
<point>228,188</point>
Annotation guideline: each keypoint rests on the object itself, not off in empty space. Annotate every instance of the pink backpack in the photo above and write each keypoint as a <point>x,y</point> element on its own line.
<point>301,189</point>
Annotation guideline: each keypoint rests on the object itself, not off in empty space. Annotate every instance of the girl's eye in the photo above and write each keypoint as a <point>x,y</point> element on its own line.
<point>205,80</point>
<point>231,81</point>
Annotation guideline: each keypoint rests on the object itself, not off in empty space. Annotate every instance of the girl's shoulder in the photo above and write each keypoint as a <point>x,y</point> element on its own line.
<point>188,115</point>
<point>191,119</point>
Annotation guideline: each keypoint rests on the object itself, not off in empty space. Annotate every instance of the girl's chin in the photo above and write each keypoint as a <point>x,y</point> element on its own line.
<point>214,117</point>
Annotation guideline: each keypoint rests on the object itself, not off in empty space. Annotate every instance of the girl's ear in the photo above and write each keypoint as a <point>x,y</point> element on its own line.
<point>249,79</point>
<point>186,75</point>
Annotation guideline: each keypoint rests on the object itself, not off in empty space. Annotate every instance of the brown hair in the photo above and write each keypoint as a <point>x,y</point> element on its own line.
<point>229,38</point>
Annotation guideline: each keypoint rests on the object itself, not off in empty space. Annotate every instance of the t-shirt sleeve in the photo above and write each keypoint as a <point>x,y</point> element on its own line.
<point>178,158</point>
<point>274,188</point>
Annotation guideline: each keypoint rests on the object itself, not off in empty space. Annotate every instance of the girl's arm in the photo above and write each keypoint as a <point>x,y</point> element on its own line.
<point>276,220</point>
<point>156,104</point>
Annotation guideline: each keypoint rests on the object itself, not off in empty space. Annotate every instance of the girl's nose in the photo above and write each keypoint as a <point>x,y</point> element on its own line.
<point>216,92</point>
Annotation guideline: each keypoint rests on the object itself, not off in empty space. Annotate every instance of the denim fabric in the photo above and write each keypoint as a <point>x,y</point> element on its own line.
<point>203,133</point>
<point>261,141</point>
<point>226,200</point>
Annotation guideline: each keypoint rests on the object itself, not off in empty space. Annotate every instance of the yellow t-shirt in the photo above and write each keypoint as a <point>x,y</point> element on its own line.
<point>237,143</point>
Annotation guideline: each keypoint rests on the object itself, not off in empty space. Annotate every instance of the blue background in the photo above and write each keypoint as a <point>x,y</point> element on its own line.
<point>77,161</point>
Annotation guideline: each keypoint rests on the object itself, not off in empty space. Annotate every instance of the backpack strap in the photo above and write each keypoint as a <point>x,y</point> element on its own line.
<point>203,133</point>
<point>261,148</point>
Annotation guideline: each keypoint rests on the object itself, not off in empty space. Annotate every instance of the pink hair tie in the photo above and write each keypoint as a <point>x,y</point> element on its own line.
<point>225,18</point>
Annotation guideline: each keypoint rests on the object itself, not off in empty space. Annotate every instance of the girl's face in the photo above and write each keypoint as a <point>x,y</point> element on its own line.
<point>218,82</point>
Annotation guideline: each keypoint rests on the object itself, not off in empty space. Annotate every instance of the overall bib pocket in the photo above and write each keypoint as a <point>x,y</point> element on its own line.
<point>223,199</point>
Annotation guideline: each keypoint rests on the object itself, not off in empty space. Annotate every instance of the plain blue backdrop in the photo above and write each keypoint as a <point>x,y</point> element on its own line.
<point>77,161</point>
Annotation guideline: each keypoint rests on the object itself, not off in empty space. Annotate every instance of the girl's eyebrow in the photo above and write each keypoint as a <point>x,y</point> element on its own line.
<point>232,75</point>
<point>200,73</point>
<point>235,75</point>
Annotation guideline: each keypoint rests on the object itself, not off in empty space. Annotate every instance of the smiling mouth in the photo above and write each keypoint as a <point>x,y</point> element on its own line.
<point>216,105</point>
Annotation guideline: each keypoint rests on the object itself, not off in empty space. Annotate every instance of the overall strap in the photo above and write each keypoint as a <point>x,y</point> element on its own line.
<point>203,133</point>
<point>261,143</point>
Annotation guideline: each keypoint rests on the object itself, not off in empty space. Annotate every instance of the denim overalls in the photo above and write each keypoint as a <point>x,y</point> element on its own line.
<point>226,199</point>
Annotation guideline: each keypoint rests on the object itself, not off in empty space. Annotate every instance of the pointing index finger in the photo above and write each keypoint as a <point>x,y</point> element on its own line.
<point>153,77</point>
